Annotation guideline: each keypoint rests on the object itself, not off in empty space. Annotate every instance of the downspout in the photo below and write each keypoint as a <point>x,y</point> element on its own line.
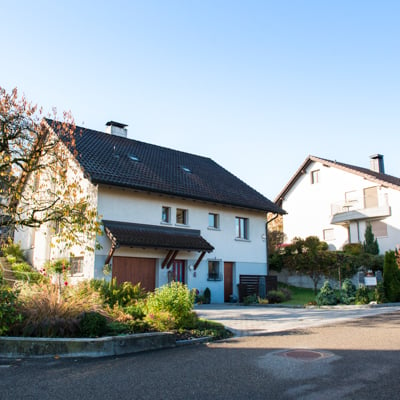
<point>266,238</point>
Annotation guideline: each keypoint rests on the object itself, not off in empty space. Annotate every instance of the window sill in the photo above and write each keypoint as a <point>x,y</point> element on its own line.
<point>186,225</point>
<point>211,228</point>
<point>242,240</point>
<point>214,279</point>
<point>165,223</point>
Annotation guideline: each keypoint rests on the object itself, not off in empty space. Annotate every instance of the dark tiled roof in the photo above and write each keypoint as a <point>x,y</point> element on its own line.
<point>379,178</point>
<point>139,235</point>
<point>109,159</point>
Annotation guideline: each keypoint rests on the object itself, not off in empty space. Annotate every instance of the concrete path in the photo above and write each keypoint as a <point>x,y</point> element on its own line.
<point>261,320</point>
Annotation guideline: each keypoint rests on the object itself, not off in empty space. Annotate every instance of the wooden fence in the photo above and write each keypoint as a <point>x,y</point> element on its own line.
<point>250,285</point>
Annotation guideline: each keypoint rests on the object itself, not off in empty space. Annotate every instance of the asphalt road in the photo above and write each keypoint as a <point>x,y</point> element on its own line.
<point>356,359</point>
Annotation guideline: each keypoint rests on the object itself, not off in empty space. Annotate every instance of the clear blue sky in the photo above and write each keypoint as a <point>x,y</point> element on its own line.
<point>255,85</point>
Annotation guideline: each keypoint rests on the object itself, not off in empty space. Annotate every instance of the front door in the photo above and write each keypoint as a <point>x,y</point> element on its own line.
<point>178,271</point>
<point>228,280</point>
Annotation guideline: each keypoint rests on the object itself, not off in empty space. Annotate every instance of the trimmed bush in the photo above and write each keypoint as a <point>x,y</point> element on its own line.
<point>363,295</point>
<point>326,296</point>
<point>92,324</point>
<point>248,300</point>
<point>276,296</point>
<point>348,292</point>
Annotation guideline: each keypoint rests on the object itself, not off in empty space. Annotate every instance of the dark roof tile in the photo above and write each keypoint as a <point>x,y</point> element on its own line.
<point>105,160</point>
<point>140,235</point>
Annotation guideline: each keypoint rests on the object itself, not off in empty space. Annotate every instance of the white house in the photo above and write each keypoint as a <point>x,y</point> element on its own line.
<point>167,215</point>
<point>336,201</point>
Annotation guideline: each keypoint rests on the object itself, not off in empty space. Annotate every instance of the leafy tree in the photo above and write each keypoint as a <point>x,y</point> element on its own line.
<point>370,244</point>
<point>311,257</point>
<point>39,179</point>
<point>275,239</point>
<point>391,277</point>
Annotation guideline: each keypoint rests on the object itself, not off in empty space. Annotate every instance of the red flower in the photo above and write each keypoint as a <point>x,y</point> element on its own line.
<point>66,283</point>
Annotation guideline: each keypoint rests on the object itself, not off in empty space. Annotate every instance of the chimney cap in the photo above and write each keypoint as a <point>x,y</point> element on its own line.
<point>117,124</point>
<point>380,156</point>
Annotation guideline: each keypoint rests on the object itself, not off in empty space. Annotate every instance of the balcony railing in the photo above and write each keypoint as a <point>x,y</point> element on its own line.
<point>360,208</point>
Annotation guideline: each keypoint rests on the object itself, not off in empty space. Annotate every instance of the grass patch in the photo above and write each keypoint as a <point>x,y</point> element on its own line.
<point>300,296</point>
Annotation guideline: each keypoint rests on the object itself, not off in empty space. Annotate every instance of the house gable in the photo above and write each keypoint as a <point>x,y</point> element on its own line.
<point>373,176</point>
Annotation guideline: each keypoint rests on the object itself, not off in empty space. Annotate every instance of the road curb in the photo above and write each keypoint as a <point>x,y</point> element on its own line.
<point>24,347</point>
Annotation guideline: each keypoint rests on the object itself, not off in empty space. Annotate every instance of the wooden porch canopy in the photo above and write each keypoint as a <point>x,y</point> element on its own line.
<point>158,237</point>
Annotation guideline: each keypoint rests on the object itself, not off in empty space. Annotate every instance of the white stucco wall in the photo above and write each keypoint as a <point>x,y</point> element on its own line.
<point>248,256</point>
<point>309,207</point>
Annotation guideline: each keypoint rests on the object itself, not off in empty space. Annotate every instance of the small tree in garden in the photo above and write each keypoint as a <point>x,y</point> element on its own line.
<point>312,258</point>
<point>38,177</point>
<point>391,277</point>
<point>370,244</point>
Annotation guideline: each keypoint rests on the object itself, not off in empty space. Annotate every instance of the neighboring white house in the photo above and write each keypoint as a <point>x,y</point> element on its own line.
<point>336,201</point>
<point>167,215</point>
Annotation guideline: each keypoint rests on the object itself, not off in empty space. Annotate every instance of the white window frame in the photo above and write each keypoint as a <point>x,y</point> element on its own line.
<point>242,228</point>
<point>329,234</point>
<point>315,178</point>
<point>185,213</point>
<point>214,223</point>
<point>168,215</point>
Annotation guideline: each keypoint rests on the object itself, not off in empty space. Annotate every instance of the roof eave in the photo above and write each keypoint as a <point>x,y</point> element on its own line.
<point>276,209</point>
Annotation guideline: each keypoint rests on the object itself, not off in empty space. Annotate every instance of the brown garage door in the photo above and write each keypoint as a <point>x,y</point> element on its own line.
<point>135,270</point>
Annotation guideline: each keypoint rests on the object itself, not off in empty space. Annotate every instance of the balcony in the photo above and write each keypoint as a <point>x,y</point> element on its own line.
<point>361,208</point>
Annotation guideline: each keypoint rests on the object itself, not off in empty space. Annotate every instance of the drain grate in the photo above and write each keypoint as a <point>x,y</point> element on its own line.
<point>304,355</point>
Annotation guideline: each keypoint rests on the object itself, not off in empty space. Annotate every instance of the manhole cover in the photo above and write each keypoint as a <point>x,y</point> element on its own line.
<point>304,355</point>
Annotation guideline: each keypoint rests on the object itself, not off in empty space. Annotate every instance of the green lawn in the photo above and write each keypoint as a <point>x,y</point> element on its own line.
<point>300,296</point>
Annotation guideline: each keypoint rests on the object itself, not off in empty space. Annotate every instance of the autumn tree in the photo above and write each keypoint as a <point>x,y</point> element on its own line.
<point>40,180</point>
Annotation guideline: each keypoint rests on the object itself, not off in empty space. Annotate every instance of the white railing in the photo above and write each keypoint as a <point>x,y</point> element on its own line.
<point>358,202</point>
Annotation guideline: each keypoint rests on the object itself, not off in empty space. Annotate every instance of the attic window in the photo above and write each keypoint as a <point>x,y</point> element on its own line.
<point>186,169</point>
<point>133,157</point>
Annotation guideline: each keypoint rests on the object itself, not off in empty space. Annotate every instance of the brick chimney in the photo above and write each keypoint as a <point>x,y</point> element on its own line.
<point>116,128</point>
<point>377,164</point>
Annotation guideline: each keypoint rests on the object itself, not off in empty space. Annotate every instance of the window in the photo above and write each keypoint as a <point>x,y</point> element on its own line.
<point>314,177</point>
<point>242,228</point>
<point>214,270</point>
<point>213,220</point>
<point>181,216</point>
<point>329,234</point>
<point>186,169</point>
<point>371,197</point>
<point>166,214</point>
<point>379,228</point>
<point>76,265</point>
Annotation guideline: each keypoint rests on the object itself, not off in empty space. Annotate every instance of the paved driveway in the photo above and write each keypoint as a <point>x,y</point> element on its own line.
<point>259,320</point>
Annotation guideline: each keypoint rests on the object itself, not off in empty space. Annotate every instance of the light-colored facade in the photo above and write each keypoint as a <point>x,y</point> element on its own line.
<point>336,201</point>
<point>234,238</point>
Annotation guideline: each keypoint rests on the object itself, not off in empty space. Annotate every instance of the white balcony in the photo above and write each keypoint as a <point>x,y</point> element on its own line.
<point>360,208</point>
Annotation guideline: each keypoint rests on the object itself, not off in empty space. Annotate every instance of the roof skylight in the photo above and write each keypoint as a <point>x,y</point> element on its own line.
<point>133,157</point>
<point>186,169</point>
